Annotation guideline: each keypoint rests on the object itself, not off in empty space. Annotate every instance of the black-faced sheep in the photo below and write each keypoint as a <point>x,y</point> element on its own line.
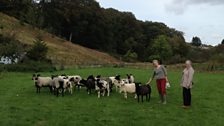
<point>40,82</point>
<point>130,78</point>
<point>143,90</point>
<point>116,81</point>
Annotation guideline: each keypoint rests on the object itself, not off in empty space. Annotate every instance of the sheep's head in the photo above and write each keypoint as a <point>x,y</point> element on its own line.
<point>91,77</point>
<point>34,76</point>
<point>69,84</point>
<point>118,77</point>
<point>125,81</point>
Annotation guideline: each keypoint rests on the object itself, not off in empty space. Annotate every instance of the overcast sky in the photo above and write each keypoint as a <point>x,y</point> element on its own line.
<point>203,18</point>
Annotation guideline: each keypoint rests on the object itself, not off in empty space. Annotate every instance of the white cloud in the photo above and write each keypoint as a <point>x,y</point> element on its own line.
<point>179,6</point>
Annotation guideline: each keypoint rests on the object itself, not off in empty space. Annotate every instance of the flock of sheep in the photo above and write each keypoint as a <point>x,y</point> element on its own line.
<point>102,85</point>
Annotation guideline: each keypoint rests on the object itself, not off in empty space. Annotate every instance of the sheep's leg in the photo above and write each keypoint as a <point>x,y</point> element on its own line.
<point>104,91</point>
<point>108,92</point>
<point>57,92</point>
<point>89,91</point>
<point>62,92</point>
<point>71,91</point>
<point>138,98</point>
<point>50,89</point>
<point>125,95</point>
<point>142,98</point>
<point>99,94</point>
<point>135,96</point>
<point>39,90</point>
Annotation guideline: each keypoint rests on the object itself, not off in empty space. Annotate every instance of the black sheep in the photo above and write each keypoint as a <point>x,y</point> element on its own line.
<point>89,83</point>
<point>143,90</point>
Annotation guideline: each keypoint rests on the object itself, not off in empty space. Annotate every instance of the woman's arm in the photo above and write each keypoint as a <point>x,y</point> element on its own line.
<point>165,73</point>
<point>190,78</point>
<point>150,80</point>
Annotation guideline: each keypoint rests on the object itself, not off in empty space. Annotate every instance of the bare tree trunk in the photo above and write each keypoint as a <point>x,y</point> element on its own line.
<point>70,37</point>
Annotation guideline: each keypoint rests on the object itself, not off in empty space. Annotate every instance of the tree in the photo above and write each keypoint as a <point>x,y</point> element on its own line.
<point>196,41</point>
<point>161,49</point>
<point>9,47</point>
<point>38,52</point>
<point>222,42</point>
<point>130,56</point>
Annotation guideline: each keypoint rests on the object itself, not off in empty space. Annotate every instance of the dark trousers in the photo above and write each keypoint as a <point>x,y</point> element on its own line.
<point>187,96</point>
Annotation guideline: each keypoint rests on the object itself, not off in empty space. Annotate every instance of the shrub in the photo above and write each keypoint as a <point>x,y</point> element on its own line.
<point>27,67</point>
<point>38,52</point>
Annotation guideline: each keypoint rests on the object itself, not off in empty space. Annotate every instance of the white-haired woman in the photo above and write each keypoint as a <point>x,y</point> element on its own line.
<point>186,83</point>
<point>160,74</point>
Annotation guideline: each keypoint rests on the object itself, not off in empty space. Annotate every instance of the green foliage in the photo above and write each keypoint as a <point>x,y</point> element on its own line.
<point>86,23</point>
<point>161,48</point>
<point>38,52</point>
<point>130,56</point>
<point>196,41</point>
<point>9,47</point>
<point>31,66</point>
<point>222,42</point>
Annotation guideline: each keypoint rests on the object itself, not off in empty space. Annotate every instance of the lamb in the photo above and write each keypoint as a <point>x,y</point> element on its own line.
<point>128,88</point>
<point>58,85</point>
<point>76,80</point>
<point>102,86</point>
<point>68,85</point>
<point>130,78</point>
<point>108,80</point>
<point>143,90</point>
<point>116,81</point>
<point>42,82</point>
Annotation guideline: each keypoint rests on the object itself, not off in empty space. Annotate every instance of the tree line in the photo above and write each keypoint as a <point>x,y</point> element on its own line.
<point>118,33</point>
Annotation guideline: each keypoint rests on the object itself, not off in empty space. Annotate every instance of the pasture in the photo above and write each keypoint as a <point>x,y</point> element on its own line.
<point>21,106</point>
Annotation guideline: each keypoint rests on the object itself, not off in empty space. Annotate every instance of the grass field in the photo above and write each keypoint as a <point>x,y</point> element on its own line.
<point>21,106</point>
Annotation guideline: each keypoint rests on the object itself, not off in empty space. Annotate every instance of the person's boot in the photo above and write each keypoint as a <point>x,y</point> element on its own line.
<point>161,99</point>
<point>164,99</point>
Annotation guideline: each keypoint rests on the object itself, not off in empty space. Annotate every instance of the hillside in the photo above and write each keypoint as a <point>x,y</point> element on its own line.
<point>59,50</point>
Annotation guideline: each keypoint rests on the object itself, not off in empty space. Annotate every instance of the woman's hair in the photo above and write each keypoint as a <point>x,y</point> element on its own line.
<point>188,62</point>
<point>155,61</point>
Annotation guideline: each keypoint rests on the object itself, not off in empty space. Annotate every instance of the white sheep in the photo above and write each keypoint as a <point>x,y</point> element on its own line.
<point>42,82</point>
<point>68,86</point>
<point>128,88</point>
<point>58,85</point>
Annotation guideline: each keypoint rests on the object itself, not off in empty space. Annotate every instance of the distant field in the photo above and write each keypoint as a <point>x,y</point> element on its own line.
<point>21,106</point>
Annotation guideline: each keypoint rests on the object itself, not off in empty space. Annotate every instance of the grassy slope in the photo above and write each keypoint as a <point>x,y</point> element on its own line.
<point>60,50</point>
<point>29,108</point>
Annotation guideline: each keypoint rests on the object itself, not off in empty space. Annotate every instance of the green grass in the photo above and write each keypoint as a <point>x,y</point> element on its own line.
<point>21,106</point>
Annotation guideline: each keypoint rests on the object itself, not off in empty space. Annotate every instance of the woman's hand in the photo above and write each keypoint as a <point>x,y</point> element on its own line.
<point>149,81</point>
